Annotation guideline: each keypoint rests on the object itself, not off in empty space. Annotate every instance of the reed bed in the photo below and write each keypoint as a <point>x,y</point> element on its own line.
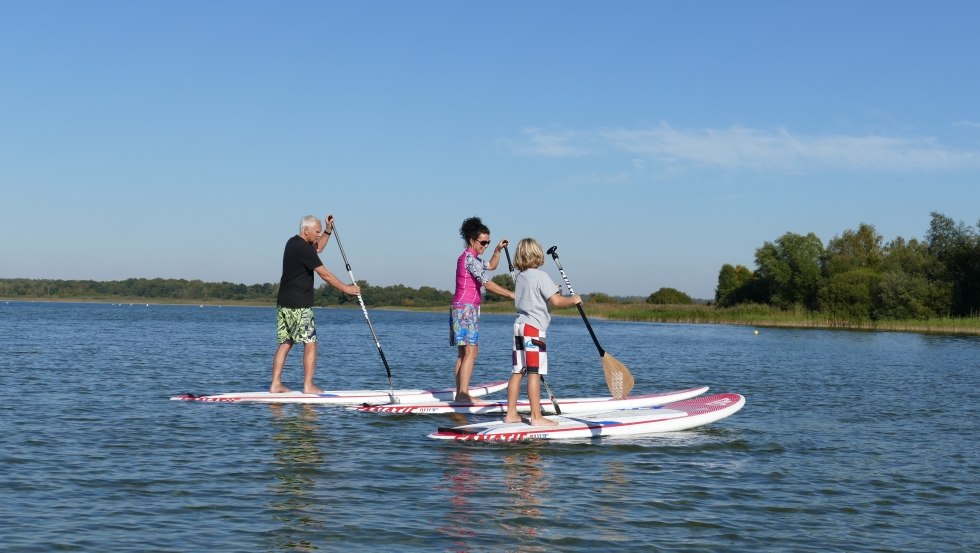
<point>758,315</point>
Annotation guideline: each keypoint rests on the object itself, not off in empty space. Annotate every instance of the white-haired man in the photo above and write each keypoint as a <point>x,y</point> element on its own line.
<point>294,304</point>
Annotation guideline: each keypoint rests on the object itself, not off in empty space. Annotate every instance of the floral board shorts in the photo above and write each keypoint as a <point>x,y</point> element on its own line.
<point>295,324</point>
<point>464,324</point>
<point>530,350</point>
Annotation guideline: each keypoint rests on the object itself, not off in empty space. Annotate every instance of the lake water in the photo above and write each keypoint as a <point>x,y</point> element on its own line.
<point>849,441</point>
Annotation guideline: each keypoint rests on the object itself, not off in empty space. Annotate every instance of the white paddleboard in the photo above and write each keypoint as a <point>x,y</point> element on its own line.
<point>680,415</point>
<point>568,406</point>
<point>345,397</point>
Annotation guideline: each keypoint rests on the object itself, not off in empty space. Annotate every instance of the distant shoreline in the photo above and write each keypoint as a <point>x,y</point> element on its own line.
<point>145,301</point>
<point>641,313</point>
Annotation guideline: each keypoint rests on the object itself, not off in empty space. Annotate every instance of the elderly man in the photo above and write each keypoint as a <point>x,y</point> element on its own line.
<point>294,304</point>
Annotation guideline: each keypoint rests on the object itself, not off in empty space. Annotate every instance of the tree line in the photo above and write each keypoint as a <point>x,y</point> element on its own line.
<point>857,276</point>
<point>137,288</point>
<point>180,290</point>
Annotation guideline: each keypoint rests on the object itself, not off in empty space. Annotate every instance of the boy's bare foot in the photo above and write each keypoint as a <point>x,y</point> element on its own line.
<point>312,390</point>
<point>543,422</point>
<point>278,389</point>
<point>463,398</point>
<point>515,418</point>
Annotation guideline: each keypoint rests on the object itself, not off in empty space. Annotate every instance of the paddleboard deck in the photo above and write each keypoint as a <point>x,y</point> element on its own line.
<point>345,397</point>
<point>680,415</point>
<point>568,406</point>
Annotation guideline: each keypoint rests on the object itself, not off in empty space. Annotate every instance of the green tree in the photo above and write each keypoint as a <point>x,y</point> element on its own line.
<point>957,248</point>
<point>850,274</point>
<point>669,296</point>
<point>600,297</point>
<point>902,296</point>
<point>736,284</point>
<point>848,295</point>
<point>504,280</point>
<point>912,285</point>
<point>860,249</point>
<point>789,270</point>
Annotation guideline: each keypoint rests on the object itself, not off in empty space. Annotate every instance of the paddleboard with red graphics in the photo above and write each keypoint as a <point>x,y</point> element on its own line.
<point>345,397</point>
<point>568,406</point>
<point>672,417</point>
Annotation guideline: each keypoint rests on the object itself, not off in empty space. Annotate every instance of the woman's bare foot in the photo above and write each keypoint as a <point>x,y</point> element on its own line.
<point>312,390</point>
<point>463,398</point>
<point>543,422</point>
<point>278,389</point>
<point>515,418</point>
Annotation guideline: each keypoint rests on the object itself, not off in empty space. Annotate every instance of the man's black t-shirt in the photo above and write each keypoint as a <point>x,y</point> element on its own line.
<point>299,260</point>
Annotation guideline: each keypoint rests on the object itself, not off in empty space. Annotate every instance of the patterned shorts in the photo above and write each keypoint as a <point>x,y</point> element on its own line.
<point>464,325</point>
<point>295,324</point>
<point>530,350</point>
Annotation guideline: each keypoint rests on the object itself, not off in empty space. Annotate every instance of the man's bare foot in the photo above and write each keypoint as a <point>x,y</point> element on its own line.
<point>278,389</point>
<point>312,390</point>
<point>543,422</point>
<point>463,398</point>
<point>515,418</point>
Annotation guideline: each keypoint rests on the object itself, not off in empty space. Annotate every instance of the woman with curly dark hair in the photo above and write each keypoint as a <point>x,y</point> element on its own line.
<point>472,275</point>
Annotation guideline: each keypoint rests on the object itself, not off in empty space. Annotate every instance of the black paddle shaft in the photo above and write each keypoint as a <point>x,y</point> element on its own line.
<point>553,252</point>
<point>360,300</point>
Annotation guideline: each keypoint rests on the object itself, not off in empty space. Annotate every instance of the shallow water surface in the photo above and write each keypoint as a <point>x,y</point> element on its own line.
<point>849,441</point>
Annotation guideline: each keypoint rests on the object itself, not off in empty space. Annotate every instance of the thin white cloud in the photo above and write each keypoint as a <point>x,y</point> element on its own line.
<point>552,143</point>
<point>741,148</point>
<point>967,123</point>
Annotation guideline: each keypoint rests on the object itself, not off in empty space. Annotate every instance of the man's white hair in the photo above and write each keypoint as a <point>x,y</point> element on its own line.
<point>309,221</point>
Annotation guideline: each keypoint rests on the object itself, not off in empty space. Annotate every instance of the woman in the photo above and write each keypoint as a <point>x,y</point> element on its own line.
<point>472,274</point>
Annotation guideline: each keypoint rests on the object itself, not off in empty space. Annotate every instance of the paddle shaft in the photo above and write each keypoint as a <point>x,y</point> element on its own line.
<point>510,267</point>
<point>553,250</point>
<point>364,310</point>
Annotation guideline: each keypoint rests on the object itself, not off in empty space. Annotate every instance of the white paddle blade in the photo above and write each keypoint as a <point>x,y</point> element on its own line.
<point>618,377</point>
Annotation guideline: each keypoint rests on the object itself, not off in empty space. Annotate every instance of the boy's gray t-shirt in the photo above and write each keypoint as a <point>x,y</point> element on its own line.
<point>532,289</point>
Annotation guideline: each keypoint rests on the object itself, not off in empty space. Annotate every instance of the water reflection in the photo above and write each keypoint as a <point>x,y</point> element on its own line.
<point>525,484</point>
<point>487,504</point>
<point>616,487</point>
<point>462,481</point>
<point>298,458</point>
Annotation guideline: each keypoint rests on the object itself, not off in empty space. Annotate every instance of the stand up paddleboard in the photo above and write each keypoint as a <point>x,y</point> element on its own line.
<point>680,415</point>
<point>346,397</point>
<point>567,406</point>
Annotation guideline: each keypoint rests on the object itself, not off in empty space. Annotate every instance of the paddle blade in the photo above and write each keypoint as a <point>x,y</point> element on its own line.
<point>618,377</point>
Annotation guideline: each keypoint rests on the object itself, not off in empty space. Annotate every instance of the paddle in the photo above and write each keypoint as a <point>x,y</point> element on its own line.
<point>510,267</point>
<point>618,377</point>
<point>364,310</point>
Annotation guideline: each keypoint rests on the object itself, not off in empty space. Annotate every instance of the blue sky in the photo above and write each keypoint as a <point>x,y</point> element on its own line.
<point>652,142</point>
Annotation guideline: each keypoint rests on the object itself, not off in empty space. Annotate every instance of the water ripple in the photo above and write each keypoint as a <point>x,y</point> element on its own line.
<point>848,442</point>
